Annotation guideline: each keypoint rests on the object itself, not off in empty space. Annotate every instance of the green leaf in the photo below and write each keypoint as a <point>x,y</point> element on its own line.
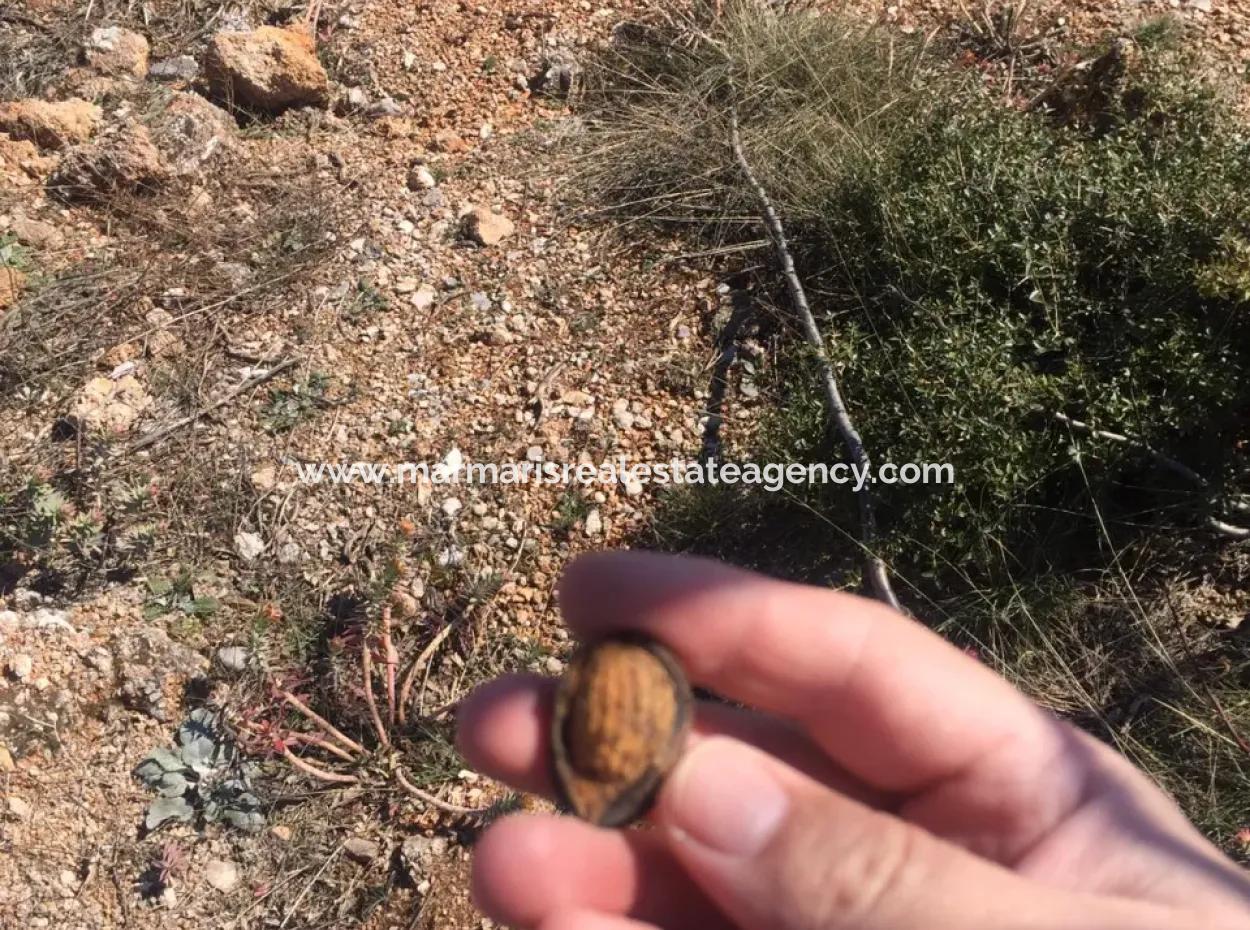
<point>172,785</point>
<point>163,810</point>
<point>48,503</point>
<point>247,819</point>
<point>200,607</point>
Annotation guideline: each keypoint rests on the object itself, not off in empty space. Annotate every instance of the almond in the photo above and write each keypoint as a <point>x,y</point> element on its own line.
<point>622,713</point>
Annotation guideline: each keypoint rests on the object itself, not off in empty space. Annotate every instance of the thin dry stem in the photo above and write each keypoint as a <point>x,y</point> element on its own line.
<point>392,663</point>
<point>310,740</point>
<point>309,769</point>
<point>405,691</point>
<point>321,721</point>
<point>878,576</point>
<point>431,800</point>
<point>366,667</point>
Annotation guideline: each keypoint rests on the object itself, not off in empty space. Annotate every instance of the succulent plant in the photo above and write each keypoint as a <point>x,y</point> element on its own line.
<point>202,779</point>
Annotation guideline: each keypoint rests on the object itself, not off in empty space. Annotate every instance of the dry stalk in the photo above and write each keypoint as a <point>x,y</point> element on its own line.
<point>1171,464</point>
<point>426,797</point>
<point>405,691</point>
<point>326,725</point>
<point>878,576</point>
<point>366,668</point>
<point>319,773</point>
<point>164,432</point>
<point>391,656</point>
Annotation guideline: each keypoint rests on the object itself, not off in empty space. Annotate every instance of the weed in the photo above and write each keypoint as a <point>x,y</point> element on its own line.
<point>289,407</point>
<point>203,780</point>
<point>12,254</point>
<point>167,595</point>
<point>572,508</point>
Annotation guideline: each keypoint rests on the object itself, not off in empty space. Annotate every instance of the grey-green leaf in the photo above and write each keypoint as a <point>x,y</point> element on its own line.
<point>163,810</point>
<point>155,765</point>
<point>172,785</point>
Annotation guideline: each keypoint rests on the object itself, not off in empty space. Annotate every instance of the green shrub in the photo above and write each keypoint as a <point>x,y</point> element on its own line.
<point>995,271</point>
<point>979,269</point>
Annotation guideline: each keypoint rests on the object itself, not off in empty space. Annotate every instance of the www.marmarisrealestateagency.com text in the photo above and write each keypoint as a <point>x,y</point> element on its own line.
<point>453,469</point>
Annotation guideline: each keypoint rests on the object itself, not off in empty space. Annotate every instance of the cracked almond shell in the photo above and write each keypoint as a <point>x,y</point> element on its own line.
<point>622,713</point>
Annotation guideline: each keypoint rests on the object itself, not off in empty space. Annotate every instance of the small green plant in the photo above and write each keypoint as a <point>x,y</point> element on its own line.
<point>177,594</point>
<point>12,254</point>
<point>202,779</point>
<point>289,407</point>
<point>366,299</point>
<point>571,508</point>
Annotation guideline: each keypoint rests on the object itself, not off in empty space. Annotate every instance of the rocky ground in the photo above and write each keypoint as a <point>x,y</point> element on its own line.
<point>263,236</point>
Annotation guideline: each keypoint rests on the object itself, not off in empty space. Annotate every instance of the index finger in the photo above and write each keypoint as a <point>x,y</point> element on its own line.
<point>890,701</point>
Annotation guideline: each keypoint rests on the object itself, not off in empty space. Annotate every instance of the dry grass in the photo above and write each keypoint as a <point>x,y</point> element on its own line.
<point>818,95</point>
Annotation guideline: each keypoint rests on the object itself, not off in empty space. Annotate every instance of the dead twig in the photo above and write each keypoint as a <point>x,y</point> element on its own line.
<point>322,722</point>
<point>391,657</point>
<point>1165,461</point>
<point>875,568</point>
<point>156,436</point>
<point>405,691</point>
<point>427,798</point>
<point>319,773</point>
<point>366,668</point>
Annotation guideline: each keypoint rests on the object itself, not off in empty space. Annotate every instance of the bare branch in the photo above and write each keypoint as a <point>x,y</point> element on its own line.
<point>1177,468</point>
<point>366,668</point>
<point>405,691</point>
<point>877,575</point>
<point>164,432</point>
<point>322,774</point>
<point>391,656</point>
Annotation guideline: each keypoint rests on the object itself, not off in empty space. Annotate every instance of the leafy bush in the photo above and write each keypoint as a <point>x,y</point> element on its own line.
<point>996,271</point>
<point>980,269</point>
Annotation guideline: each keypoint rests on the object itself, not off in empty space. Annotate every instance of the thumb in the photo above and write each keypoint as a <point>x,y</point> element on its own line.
<point>778,851</point>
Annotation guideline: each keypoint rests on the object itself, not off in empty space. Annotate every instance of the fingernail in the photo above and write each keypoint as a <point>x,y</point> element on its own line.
<point>723,796</point>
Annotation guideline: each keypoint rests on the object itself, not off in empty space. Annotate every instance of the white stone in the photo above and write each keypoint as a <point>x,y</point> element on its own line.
<point>249,546</point>
<point>425,177</point>
<point>221,874</point>
<point>20,666</point>
<point>594,523</point>
<point>423,299</point>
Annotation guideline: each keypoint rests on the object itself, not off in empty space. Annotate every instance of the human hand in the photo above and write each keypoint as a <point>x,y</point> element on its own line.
<point>884,781</point>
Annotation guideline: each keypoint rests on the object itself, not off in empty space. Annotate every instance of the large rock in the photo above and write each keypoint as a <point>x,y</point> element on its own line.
<point>190,132</point>
<point>21,164</point>
<point>486,227</point>
<point>36,233</point>
<point>269,69</point>
<point>115,51</point>
<point>151,670</point>
<point>126,162</point>
<point>50,125</point>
